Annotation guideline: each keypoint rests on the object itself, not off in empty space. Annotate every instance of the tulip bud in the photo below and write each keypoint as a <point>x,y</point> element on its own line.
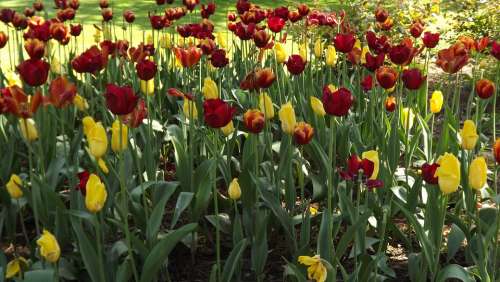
<point>429,172</point>
<point>390,103</point>
<point>386,77</point>
<point>448,173</point>
<point>469,135</point>
<point>266,105</point>
<point>95,195</point>
<point>234,190</point>
<point>304,52</point>
<point>118,145</point>
<point>280,53</point>
<point>317,106</point>
<point>14,186</point>
<point>287,118</point>
<point>102,165</point>
<point>189,109</point>
<point>148,87</point>
<point>331,56</point>
<point>478,173</point>
<point>303,133</point>
<point>210,89</point>
<point>228,128</point>
<point>15,267</point>
<point>254,120</point>
<point>436,101</point>
<point>407,118</point>
<point>485,88</point>
<point>49,248</point>
<point>318,48</point>
<point>97,139</point>
<point>496,150</point>
<point>28,129</point>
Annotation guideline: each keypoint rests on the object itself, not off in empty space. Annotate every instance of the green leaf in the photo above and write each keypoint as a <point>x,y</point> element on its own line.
<point>45,275</point>
<point>156,258</point>
<point>154,221</point>
<point>87,251</point>
<point>202,185</point>
<point>232,261</point>
<point>455,239</point>
<point>183,202</point>
<point>291,270</point>
<point>453,271</point>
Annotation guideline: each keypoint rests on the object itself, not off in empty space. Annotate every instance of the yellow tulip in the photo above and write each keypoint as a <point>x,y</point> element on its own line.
<point>189,109</point>
<point>280,53</point>
<point>469,135</point>
<point>365,51</point>
<point>55,65</point>
<point>98,140</point>
<point>88,123</point>
<point>357,44</point>
<point>234,190</point>
<point>407,118</point>
<point>148,87</point>
<point>14,186</point>
<point>80,103</point>
<point>96,194</point>
<point>436,101</point>
<point>331,56</point>
<point>287,118</point>
<point>13,79</point>
<point>165,42</point>
<point>448,173</point>
<point>266,105</point>
<point>304,52</point>
<point>373,157</point>
<point>478,173</point>
<point>317,106</point>
<point>102,165</point>
<point>15,266</point>
<point>316,269</point>
<point>118,145</point>
<point>210,90</point>
<point>318,48</point>
<point>228,129</point>
<point>49,248</point>
<point>313,210</point>
<point>28,129</point>
<point>221,40</point>
<point>149,39</point>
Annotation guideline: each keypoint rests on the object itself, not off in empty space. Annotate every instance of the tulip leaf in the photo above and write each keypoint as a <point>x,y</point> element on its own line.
<point>202,184</point>
<point>232,261</point>
<point>291,270</point>
<point>183,201</point>
<point>87,251</point>
<point>39,275</point>
<point>455,239</point>
<point>154,221</point>
<point>453,271</point>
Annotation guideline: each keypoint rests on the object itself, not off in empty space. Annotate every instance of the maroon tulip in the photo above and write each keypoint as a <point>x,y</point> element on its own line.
<point>428,173</point>
<point>344,42</point>
<point>146,69</point>
<point>38,5</point>
<point>83,177</point>
<point>75,29</point>
<point>402,53</point>
<point>355,165</point>
<point>381,15</point>
<point>217,113</point>
<point>59,31</point>
<point>242,6</point>
<point>34,72</point>
<point>3,39</point>
<point>39,29</point>
<point>218,58</point>
<point>495,50</point>
<point>337,102</point>
<point>386,77</point>
<point>107,14</point>
<point>208,10</point>
<point>261,38</point>
<point>90,61</point>
<point>160,2</point>
<point>103,4</point>
<point>276,24</point>
<point>35,48</point>
<point>254,121</point>
<point>303,9</point>
<point>377,44</point>
<point>19,21</point>
<point>390,103</point>
<point>485,88</point>
<point>367,83</point>
<point>430,39</point>
<point>74,4</point>
<point>243,31</point>
<point>29,12</point>
<point>6,15</point>
<point>120,100</point>
<point>416,29</point>
<point>295,64</point>
<point>281,12</point>
<point>412,78</point>
<point>157,22</point>
<point>374,62</point>
<point>129,16</point>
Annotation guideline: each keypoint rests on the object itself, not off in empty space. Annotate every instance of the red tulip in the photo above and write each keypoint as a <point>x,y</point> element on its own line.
<point>16,102</point>
<point>218,58</point>
<point>157,22</point>
<point>129,16</point>
<point>295,64</point>
<point>390,104</point>
<point>428,173</point>
<point>35,48</point>
<point>146,69</point>
<point>59,31</point>
<point>496,150</point>
<point>281,12</point>
<point>120,100</point>
<point>217,113</point>
<point>160,2</point>
<point>485,88</point>
<point>261,38</point>
<point>495,50</point>
<point>303,9</point>
<point>242,6</point>
<point>134,119</point>
<point>3,39</point>
<point>354,56</point>
<point>83,178</point>
<point>6,15</point>
<point>75,29</point>
<point>208,10</point>
<point>412,78</point>
<point>374,62</point>
<point>19,21</point>
<point>74,4</point>
<point>207,46</point>
<point>243,31</point>
<point>387,25</point>
<point>381,15</point>
<point>231,16</point>
<point>402,54</point>
<point>107,14</point>
<point>416,29</point>
<point>254,121</point>
<point>430,39</point>
<point>38,5</point>
<point>90,61</point>
<point>190,4</point>
<point>29,12</point>
<point>355,165</point>
<point>188,57</point>
<point>386,77</point>
<point>264,78</point>
<point>103,4</point>
<point>303,133</point>
<point>367,83</point>
<point>62,92</point>
<point>337,103</point>
<point>481,44</point>
<point>451,60</point>
<point>38,28</point>
<point>34,72</point>
<point>276,23</point>
<point>344,42</point>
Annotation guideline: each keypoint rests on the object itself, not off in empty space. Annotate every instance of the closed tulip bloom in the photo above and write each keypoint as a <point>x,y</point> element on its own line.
<point>148,87</point>
<point>448,173</point>
<point>331,56</point>
<point>80,103</point>
<point>254,120</point>
<point>303,133</point>
<point>15,267</point>
<point>477,173</point>
<point>120,100</point>
<point>317,106</point>
<point>264,78</point>
<point>189,109</point>
<point>3,39</point>
<point>304,52</point>
<point>430,39</point>
<point>390,103</point>
<point>436,101</point>
<point>485,88</point>
<point>296,64</point>
<point>97,140</point>
<point>337,102</point>
<point>266,105</point>
<point>381,14</point>
<point>88,123</point>
<point>49,248</point>
<point>316,269</point>
<point>344,42</point>
<point>14,186</point>
<point>318,48</point>
<point>496,150</point>
<point>28,129</point>
<point>35,48</point>
<point>280,53</point>
<point>407,118</point>
<point>234,190</point>
<point>210,89</point>
<point>227,129</point>
<point>429,173</point>
<point>469,135</point>
<point>34,72</point>
<point>413,78</point>
<point>287,118</point>
<point>118,145</point>
<point>386,77</point>
<point>373,157</point>
<point>95,194</point>
<point>146,69</point>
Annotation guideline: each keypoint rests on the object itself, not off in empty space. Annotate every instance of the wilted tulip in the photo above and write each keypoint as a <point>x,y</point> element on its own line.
<point>254,120</point>
<point>120,100</point>
<point>62,92</point>
<point>386,77</point>
<point>303,133</point>
<point>469,135</point>
<point>96,195</point>
<point>451,60</point>
<point>436,101</point>
<point>287,118</point>
<point>448,173</point>
<point>234,190</point>
<point>413,78</point>
<point>217,113</point>
<point>429,173</point>
<point>49,248</point>
<point>478,170</point>
<point>34,72</point>
<point>485,88</point>
<point>14,186</point>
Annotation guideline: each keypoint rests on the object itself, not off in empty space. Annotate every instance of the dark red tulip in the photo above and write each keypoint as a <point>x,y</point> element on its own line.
<point>19,21</point>
<point>207,46</point>
<point>243,31</point>
<point>367,83</point>
<point>217,113</point>
<point>231,16</point>
<point>294,16</point>
<point>495,50</point>
<point>107,14</point>
<point>3,39</point>
<point>377,44</point>
<point>146,69</point>
<point>83,178</point>
<point>276,24</point>
<point>74,4</point>
<point>157,22</point>
<point>485,88</point>
<point>344,42</point>
<point>29,12</point>
<point>386,77</point>
<point>381,15</point>
<point>402,53</point>
<point>254,121</point>
<point>34,72</point>
<point>374,62</point>
<point>90,61</point>
<point>208,10</point>
<point>387,25</point>
<point>281,12</point>
<point>39,28</point>
<point>428,173</point>
<point>35,48</point>
<point>135,118</point>
<point>355,165</point>
<point>295,64</point>
<point>261,38</point>
<point>303,9</point>
<point>58,31</point>
<point>416,29</point>
<point>38,5</point>
<point>412,78</point>
<point>129,16</point>
<point>75,29</point>
<point>430,40</point>
<point>303,133</point>
<point>120,100</point>
<point>103,4</point>
<point>6,15</point>
<point>218,58</point>
<point>190,4</point>
<point>242,6</point>
<point>452,59</point>
<point>337,102</point>
<point>390,104</point>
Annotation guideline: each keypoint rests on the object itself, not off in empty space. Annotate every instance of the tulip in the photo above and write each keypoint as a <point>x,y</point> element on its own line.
<point>217,113</point>
<point>210,90</point>
<point>88,123</point>
<point>96,138</point>
<point>295,64</point>
<point>478,173</point>
<point>38,5</point>
<point>118,145</point>
<point>148,87</point>
<point>75,29</point>
<point>243,31</point>
<point>90,61</point>
<point>3,39</point>
<point>413,78</point>
<point>337,102</point>
<point>373,157</point>
<point>495,50</point>
<point>102,165</point>
<point>331,56</point>
<point>429,172</point>
<point>146,69</point>
<point>367,83</point>
<point>344,42</point>
<point>96,195</point>
<point>129,16</point>
<point>317,106</point>
<point>188,57</point>
<point>276,24</point>
<point>49,248</point>
<point>107,14</point>
<point>120,100</point>
<point>407,118</point>
<point>280,53</point>
<point>390,103</point>
<point>287,118</point>
<point>228,129</point>
<point>316,269</point>
<point>372,63</point>
<point>62,92</point>
<point>264,78</point>
<point>381,15</point>
<point>34,72</point>
<point>416,29</point>
<point>35,48</point>
<point>14,186</point>
<point>386,25</point>
<point>469,135</point>
<point>266,105</point>
<point>496,150</point>
<point>430,39</point>
<point>135,118</point>
<point>436,101</point>
<point>28,129</point>
<point>378,45</point>
<point>401,54</point>
<point>485,88</point>
<point>448,173</point>
<point>189,109</point>
<point>15,267</point>
<point>254,120</point>
<point>261,38</point>
<point>303,133</point>
<point>451,60</point>
<point>386,77</point>
<point>318,48</point>
<point>218,58</point>
<point>234,190</point>
<point>303,9</point>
